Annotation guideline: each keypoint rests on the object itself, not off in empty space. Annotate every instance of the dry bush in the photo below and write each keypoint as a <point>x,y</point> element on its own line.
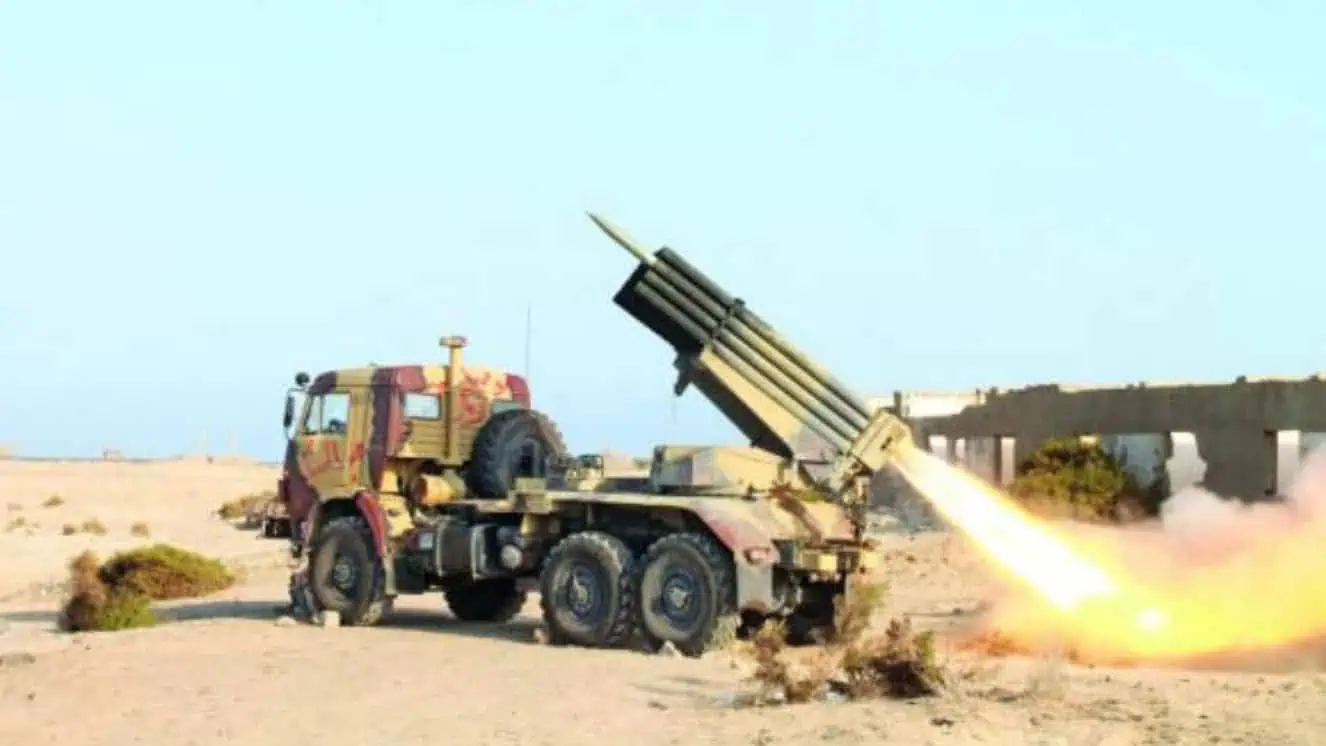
<point>94,527</point>
<point>164,572</point>
<point>778,676</point>
<point>119,593</point>
<point>14,507</point>
<point>243,506</point>
<point>855,661</point>
<point>140,529</point>
<point>69,529</point>
<point>54,501</point>
<point>93,605</point>
<point>15,524</point>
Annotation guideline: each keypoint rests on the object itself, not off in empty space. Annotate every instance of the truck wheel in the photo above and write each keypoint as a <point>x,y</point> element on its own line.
<point>687,595</point>
<point>498,600</point>
<point>346,575</point>
<point>586,591</point>
<point>502,448</point>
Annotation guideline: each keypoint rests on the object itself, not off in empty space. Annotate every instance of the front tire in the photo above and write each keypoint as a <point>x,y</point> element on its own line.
<point>346,575</point>
<point>686,595</point>
<point>586,589</point>
<point>496,601</point>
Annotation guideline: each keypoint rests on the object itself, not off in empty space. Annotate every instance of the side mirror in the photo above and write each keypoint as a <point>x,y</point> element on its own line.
<point>289,417</point>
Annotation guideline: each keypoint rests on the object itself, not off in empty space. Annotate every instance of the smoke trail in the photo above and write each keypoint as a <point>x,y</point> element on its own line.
<point>1213,581</point>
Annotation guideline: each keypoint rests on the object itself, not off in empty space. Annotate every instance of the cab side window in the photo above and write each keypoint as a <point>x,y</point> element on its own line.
<point>328,414</point>
<point>422,406</point>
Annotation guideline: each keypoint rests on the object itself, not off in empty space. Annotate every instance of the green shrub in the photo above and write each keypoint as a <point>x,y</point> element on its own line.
<point>122,610</point>
<point>1078,479</point>
<point>162,572</point>
<point>93,606</point>
<point>119,594</point>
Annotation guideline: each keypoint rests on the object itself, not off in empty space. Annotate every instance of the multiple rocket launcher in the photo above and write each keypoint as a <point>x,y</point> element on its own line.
<point>779,399</point>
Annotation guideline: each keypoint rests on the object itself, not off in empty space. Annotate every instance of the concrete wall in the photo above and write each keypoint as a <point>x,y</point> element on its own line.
<point>1239,439</point>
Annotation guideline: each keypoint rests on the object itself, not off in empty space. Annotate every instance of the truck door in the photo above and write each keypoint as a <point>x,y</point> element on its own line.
<point>331,441</point>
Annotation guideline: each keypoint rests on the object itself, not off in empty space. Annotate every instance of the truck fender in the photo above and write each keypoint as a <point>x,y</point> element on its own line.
<point>367,506</point>
<point>376,518</point>
<point>753,557</point>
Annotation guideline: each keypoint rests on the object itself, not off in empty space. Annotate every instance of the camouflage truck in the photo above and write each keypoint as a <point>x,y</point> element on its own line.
<point>411,479</point>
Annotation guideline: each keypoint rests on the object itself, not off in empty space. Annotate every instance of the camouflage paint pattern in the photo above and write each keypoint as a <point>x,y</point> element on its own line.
<point>760,534</point>
<point>379,436</point>
<point>807,431</point>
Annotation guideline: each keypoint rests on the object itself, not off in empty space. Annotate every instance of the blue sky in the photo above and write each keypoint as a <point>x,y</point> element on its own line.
<point>198,199</point>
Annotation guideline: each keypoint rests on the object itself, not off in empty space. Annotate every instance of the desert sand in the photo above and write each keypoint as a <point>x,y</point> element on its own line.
<point>230,670</point>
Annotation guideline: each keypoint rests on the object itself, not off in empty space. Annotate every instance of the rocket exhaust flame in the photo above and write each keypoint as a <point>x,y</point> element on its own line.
<point>1254,583</point>
<point>1252,578</point>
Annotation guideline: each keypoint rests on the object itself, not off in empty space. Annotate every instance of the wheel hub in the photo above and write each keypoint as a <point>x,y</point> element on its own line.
<point>582,595</point>
<point>344,573</point>
<point>678,596</point>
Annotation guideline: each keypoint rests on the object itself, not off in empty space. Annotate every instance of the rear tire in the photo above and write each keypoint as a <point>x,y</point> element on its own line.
<point>496,601</point>
<point>346,575</point>
<point>502,447</point>
<point>586,591</point>
<point>686,595</point>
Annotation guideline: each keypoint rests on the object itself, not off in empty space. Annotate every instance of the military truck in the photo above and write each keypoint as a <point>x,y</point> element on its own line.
<point>411,479</point>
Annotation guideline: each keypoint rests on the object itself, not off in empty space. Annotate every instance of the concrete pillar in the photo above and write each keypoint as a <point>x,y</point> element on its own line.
<point>982,457</point>
<point>1008,464</point>
<point>1239,463</point>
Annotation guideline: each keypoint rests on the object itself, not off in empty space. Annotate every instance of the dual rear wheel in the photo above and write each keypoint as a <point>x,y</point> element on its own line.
<point>681,590</point>
<point>595,591</point>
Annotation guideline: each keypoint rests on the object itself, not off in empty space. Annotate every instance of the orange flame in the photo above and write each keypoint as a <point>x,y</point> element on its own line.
<point>1139,594</point>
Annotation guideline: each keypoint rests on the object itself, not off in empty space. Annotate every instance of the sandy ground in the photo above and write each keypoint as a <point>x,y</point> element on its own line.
<point>176,499</point>
<point>230,672</point>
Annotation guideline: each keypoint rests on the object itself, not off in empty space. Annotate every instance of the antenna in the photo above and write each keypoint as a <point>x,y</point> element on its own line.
<point>529,334</point>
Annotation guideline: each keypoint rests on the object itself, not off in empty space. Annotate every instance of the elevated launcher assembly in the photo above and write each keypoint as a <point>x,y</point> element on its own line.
<point>687,561</point>
<point>782,401</point>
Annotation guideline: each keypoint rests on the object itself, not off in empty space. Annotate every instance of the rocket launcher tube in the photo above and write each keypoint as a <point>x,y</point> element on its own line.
<point>756,349</point>
<point>661,306</point>
<point>764,386</point>
<point>761,329</point>
<point>764,371</point>
<point>813,422</point>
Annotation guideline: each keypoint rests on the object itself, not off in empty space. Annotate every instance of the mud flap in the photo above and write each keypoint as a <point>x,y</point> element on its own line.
<point>302,604</point>
<point>755,586</point>
<point>376,518</point>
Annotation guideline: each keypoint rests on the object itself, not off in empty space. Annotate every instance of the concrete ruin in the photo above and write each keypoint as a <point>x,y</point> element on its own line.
<point>1241,439</point>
